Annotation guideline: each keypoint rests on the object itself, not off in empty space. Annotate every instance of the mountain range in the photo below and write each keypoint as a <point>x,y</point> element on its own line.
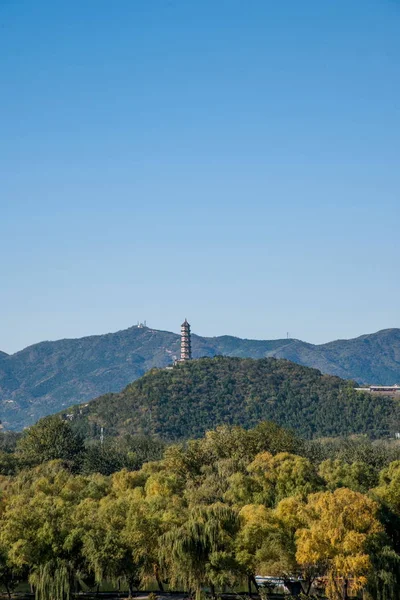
<point>49,376</point>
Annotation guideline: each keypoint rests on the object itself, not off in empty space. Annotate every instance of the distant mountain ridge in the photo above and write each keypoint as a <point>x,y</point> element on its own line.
<point>49,376</point>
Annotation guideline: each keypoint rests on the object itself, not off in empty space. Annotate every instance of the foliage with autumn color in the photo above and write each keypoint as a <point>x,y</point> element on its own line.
<point>207,516</point>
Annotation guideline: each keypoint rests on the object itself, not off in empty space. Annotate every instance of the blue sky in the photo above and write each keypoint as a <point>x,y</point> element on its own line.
<point>233,162</point>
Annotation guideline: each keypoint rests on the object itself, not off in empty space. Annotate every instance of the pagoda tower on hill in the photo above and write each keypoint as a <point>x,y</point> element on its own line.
<point>186,341</point>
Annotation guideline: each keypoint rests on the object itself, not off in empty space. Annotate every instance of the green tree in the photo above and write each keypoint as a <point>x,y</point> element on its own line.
<point>100,528</point>
<point>357,476</point>
<point>281,476</point>
<point>200,552</point>
<point>263,544</point>
<point>384,576</point>
<point>8,463</point>
<point>38,530</point>
<point>388,489</point>
<point>50,439</point>
<point>9,574</point>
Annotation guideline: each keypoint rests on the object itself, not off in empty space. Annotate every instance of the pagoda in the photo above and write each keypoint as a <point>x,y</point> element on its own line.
<point>186,341</point>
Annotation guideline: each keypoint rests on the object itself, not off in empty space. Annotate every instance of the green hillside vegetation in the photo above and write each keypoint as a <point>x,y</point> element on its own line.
<point>50,376</point>
<point>187,400</point>
<point>204,516</point>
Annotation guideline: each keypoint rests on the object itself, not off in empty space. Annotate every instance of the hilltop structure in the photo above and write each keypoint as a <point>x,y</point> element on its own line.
<point>186,342</point>
<point>381,389</point>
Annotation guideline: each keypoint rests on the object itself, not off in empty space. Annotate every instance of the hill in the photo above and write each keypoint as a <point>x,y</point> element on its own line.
<point>46,377</point>
<point>192,397</point>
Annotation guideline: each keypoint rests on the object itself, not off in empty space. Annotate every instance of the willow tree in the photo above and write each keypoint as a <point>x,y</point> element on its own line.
<point>54,579</point>
<point>200,553</point>
<point>107,553</point>
<point>384,577</point>
<point>38,529</point>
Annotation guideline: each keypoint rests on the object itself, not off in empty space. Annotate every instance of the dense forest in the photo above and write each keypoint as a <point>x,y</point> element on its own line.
<point>185,401</point>
<point>203,516</point>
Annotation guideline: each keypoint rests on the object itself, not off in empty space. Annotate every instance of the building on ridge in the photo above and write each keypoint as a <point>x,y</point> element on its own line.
<point>186,342</point>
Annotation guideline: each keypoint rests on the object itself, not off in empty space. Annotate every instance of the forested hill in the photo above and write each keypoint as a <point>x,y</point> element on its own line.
<point>192,397</point>
<point>45,377</point>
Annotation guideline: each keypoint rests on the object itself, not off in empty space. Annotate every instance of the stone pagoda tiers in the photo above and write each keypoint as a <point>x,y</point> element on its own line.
<point>186,341</point>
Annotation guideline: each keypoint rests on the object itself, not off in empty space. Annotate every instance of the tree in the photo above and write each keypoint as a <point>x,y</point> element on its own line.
<point>145,524</point>
<point>200,551</point>
<point>262,544</point>
<point>388,489</point>
<point>243,445</point>
<point>281,476</point>
<point>8,463</point>
<point>207,514</point>
<point>384,576</point>
<point>114,454</point>
<point>50,439</point>
<point>357,476</point>
<point>9,575</point>
<point>38,529</point>
<point>338,526</point>
<point>388,494</point>
<point>105,549</point>
<point>105,458</point>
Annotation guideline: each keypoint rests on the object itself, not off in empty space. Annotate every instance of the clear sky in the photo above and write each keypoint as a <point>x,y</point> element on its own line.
<point>233,162</point>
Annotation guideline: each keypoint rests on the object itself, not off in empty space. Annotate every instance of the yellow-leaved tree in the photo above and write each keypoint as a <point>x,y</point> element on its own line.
<point>334,539</point>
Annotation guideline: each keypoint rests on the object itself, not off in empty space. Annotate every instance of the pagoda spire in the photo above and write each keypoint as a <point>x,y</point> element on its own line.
<point>186,341</point>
